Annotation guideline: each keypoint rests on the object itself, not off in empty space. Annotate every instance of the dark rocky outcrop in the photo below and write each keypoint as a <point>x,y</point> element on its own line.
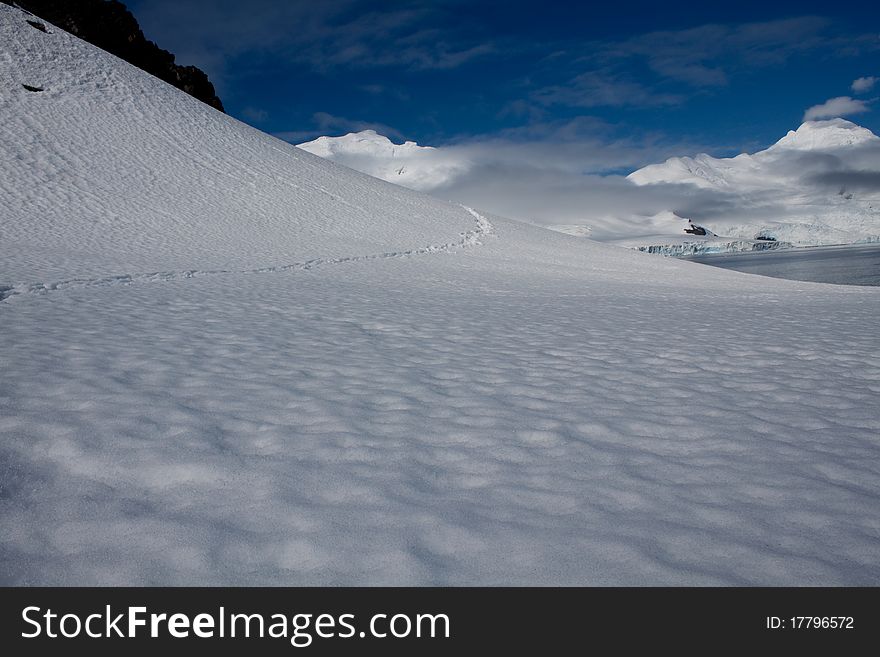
<point>110,26</point>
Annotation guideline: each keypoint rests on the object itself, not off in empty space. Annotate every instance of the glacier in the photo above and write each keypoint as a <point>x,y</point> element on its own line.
<point>717,246</point>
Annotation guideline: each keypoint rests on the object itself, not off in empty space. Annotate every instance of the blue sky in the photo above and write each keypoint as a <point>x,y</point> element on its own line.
<point>641,80</point>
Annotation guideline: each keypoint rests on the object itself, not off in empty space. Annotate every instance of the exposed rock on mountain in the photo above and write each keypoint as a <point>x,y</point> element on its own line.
<point>110,26</point>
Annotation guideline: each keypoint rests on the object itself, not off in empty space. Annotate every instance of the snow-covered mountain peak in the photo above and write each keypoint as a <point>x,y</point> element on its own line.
<point>825,135</point>
<point>365,142</point>
<point>710,172</point>
<point>795,190</point>
<point>407,164</point>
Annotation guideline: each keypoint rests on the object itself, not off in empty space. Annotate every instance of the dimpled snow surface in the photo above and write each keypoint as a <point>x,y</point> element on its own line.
<point>227,361</point>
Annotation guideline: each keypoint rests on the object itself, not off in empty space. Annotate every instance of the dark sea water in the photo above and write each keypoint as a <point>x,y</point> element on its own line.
<point>844,265</point>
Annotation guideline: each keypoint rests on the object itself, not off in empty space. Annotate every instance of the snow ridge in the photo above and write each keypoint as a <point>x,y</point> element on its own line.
<point>467,239</point>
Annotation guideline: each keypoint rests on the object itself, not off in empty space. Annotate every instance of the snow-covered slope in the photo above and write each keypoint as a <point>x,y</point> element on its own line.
<point>795,191</point>
<point>226,360</point>
<point>111,171</point>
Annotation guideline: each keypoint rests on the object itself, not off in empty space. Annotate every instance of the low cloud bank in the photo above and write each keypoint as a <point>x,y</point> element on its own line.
<point>822,174</point>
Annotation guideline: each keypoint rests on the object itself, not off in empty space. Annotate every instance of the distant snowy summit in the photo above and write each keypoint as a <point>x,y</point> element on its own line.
<point>826,135</point>
<point>407,164</point>
<point>782,161</point>
<point>814,186</point>
<point>367,142</point>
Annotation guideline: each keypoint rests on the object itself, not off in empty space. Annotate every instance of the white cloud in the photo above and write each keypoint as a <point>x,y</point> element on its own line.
<point>595,89</point>
<point>547,173</point>
<point>673,65</point>
<point>862,85</point>
<point>836,107</point>
<point>323,35</point>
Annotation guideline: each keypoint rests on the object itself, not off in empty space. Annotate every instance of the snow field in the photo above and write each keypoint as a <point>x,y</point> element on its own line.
<point>226,361</point>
